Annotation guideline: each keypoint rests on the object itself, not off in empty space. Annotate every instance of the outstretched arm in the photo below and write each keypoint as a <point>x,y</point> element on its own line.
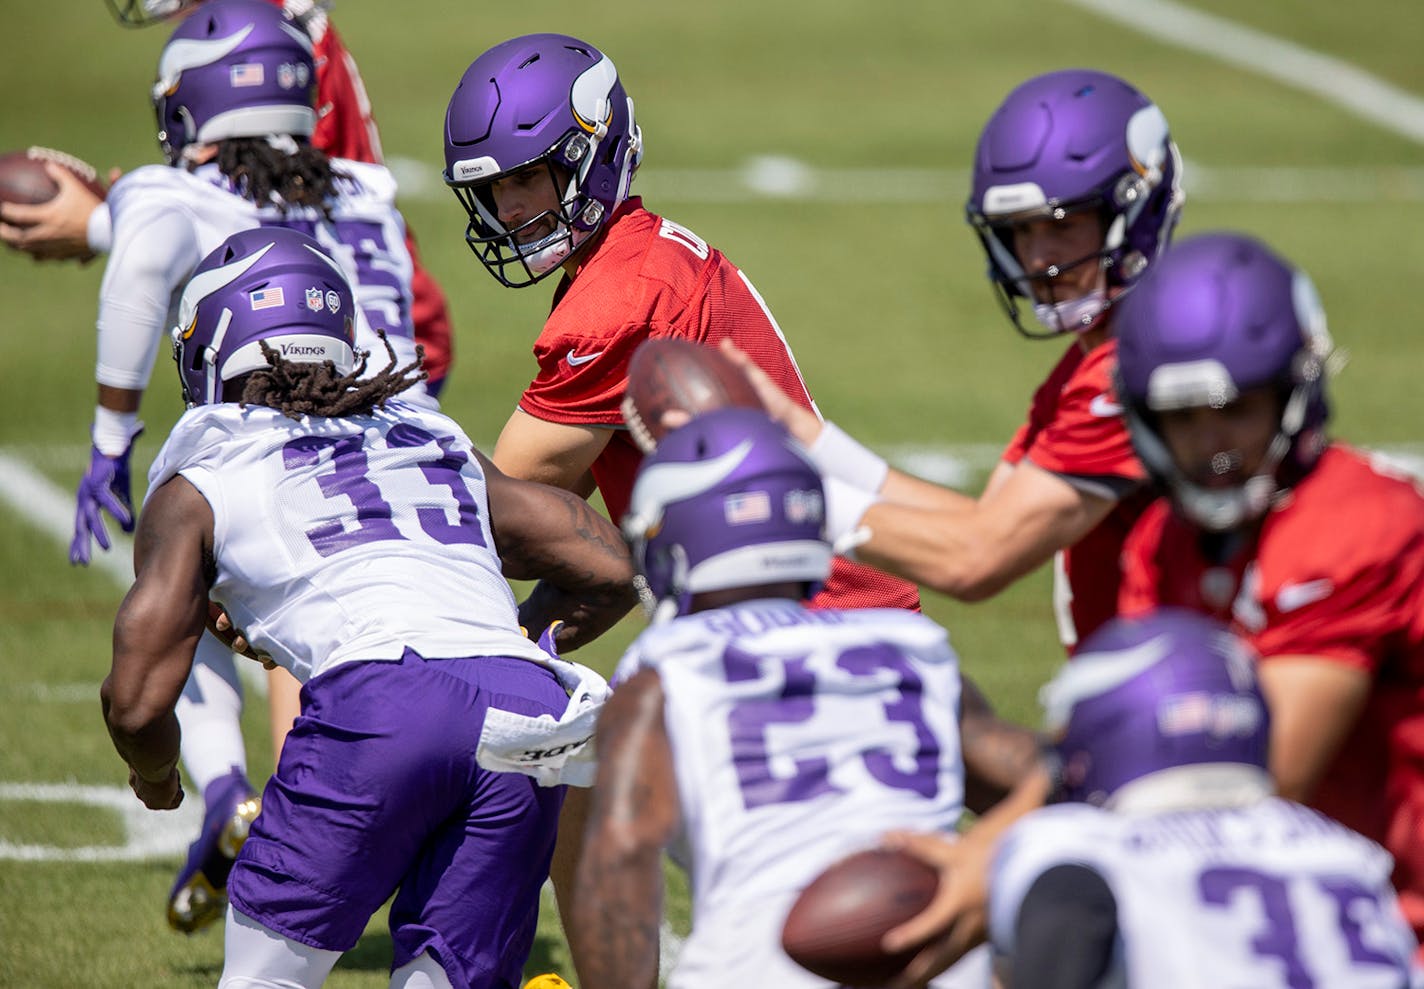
<point>156,630</point>
<point>967,548</point>
<point>547,534</point>
<point>619,883</point>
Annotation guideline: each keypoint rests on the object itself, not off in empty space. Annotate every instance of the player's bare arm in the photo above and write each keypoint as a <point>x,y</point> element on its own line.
<point>553,536</point>
<point>550,452</point>
<point>997,754</point>
<point>155,632</point>
<point>634,814</point>
<point>973,555</point>
<point>1315,703</point>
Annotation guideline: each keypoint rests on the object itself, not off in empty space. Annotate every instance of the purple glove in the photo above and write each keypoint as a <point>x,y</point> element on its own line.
<point>105,487</point>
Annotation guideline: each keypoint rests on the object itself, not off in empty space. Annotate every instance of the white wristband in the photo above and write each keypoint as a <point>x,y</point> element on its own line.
<point>846,505</point>
<point>837,455</point>
<point>113,432</point>
<point>99,229</point>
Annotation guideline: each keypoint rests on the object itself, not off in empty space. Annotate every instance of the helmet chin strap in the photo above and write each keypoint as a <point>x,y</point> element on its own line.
<point>1220,510</point>
<point>678,597</point>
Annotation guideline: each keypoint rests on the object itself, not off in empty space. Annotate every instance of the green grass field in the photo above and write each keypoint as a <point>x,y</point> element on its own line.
<point>881,294</point>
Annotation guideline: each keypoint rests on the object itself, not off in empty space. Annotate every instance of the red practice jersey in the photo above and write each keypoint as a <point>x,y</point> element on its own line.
<point>1075,429</point>
<point>1336,572</point>
<point>346,129</point>
<point>649,277</point>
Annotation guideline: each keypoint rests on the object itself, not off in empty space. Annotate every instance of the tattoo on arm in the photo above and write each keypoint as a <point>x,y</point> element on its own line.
<point>584,571</point>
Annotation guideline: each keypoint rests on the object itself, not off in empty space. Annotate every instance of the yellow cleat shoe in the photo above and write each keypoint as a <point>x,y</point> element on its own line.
<point>547,981</point>
<point>199,895</point>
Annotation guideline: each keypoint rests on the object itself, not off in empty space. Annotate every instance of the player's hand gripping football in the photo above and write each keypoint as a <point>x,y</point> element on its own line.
<point>105,487</point>
<point>800,422</point>
<point>57,229</point>
<point>957,919</point>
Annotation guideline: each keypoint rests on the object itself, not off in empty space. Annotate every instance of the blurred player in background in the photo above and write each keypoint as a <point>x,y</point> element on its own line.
<point>1171,863</point>
<point>234,101</point>
<point>1076,192</point>
<point>77,225</point>
<point>541,147</point>
<point>359,541</point>
<point>1313,550</point>
<point>842,722</point>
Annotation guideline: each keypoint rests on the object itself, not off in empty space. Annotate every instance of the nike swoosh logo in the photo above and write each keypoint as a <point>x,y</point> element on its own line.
<point>1104,407</point>
<point>576,359</point>
<point>1293,596</point>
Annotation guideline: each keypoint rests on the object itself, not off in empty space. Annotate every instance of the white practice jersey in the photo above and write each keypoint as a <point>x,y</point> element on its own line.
<point>326,533</point>
<point>798,737</point>
<point>1268,895</point>
<point>166,220</point>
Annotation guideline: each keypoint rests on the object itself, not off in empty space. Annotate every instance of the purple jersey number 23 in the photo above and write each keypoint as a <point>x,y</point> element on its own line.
<point>750,718</point>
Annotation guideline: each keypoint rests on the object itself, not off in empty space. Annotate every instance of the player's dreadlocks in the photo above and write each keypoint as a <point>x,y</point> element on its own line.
<point>271,175</point>
<point>298,389</point>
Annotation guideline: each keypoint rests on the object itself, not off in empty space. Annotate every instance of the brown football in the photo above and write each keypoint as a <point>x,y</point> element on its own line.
<point>668,374</point>
<point>23,178</point>
<point>835,926</point>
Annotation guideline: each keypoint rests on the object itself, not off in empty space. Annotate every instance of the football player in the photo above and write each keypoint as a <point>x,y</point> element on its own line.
<point>760,738</point>
<point>1169,861</point>
<point>1314,551</point>
<point>362,544</point>
<point>234,101</point>
<point>541,148</point>
<point>1075,194</point>
<point>75,223</point>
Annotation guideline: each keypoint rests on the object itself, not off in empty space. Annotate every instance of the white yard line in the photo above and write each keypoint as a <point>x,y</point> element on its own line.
<point>1330,79</point>
<point>780,178</point>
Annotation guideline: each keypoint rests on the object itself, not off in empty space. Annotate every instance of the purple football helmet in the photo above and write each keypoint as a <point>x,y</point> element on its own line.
<point>728,500</point>
<point>1219,315</point>
<point>235,68</point>
<point>1169,697</point>
<point>1074,140</point>
<point>266,284</point>
<point>542,99</point>
<point>142,13</point>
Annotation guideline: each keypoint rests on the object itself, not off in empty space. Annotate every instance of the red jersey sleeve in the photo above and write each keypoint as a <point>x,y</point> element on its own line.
<point>344,125</point>
<point>1343,585</point>
<point>1140,590</point>
<point>1086,434</point>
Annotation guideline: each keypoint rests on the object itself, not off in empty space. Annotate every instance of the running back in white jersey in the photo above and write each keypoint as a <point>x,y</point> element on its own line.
<point>1268,895</point>
<point>166,220</point>
<point>798,736</point>
<point>326,532</point>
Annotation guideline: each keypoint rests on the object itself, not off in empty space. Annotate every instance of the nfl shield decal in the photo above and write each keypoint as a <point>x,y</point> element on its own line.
<point>315,302</point>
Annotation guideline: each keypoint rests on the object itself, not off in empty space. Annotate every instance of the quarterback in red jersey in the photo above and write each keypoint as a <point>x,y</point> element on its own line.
<point>1314,552</point>
<point>1075,193</point>
<point>553,196</point>
<point>74,223</point>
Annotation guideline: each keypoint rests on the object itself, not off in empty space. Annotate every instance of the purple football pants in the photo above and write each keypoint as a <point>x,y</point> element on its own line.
<point>377,789</point>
